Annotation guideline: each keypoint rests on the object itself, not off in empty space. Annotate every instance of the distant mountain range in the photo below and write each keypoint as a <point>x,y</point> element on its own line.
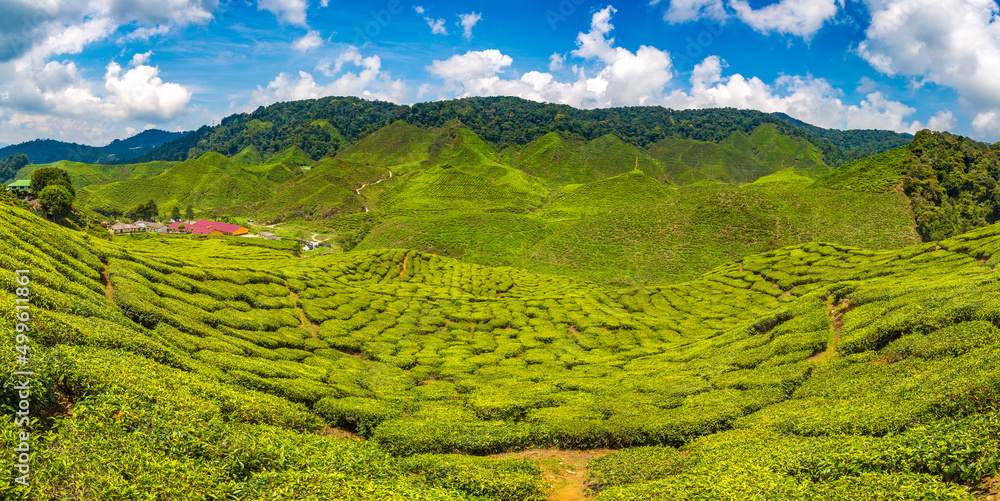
<point>41,151</point>
<point>322,127</point>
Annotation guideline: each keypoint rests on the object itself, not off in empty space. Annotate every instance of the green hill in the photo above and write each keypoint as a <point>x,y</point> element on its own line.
<point>87,174</point>
<point>328,190</point>
<point>687,161</point>
<point>622,191</point>
<point>877,174</point>
<point>179,368</point>
<point>771,147</point>
<point>210,181</point>
<point>632,229</point>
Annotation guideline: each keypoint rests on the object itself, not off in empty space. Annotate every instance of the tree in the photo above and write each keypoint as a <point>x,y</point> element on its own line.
<point>56,200</point>
<point>10,165</point>
<point>189,213</point>
<point>147,210</point>
<point>47,176</point>
<point>175,213</point>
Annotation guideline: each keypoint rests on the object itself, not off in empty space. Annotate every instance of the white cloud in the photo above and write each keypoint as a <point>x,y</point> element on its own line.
<point>556,61</point>
<point>140,93</point>
<point>468,21</point>
<point>796,17</point>
<point>287,11</point>
<point>370,82</point>
<point>350,55</point>
<point>437,26</point>
<point>620,77</point>
<point>682,11</point>
<point>159,12</point>
<point>419,9</point>
<point>141,58</point>
<point>812,100</point>
<point>953,43</point>
<point>308,42</point>
<point>146,32</point>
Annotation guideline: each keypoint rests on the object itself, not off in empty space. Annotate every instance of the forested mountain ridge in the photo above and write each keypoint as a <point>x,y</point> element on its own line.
<point>43,151</point>
<point>321,127</point>
<point>843,146</point>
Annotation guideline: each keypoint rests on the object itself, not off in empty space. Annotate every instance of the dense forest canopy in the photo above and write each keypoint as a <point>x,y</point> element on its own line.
<point>320,127</point>
<point>952,182</point>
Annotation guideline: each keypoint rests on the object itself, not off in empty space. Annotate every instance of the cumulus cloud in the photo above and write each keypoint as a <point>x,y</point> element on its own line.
<point>801,18</point>
<point>954,43</point>
<point>620,76</point>
<point>58,89</point>
<point>810,99</point>
<point>48,96</point>
<point>287,11</point>
<point>468,21</point>
<point>142,58</point>
<point>140,93</point>
<point>795,17</point>
<point>436,26</point>
<point>369,82</point>
<point>308,42</point>
<point>556,61</point>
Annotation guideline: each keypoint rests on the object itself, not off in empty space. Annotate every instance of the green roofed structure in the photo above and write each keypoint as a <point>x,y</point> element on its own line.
<point>23,185</point>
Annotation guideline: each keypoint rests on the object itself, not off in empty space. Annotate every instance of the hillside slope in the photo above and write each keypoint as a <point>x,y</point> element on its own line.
<point>189,368</point>
<point>631,229</point>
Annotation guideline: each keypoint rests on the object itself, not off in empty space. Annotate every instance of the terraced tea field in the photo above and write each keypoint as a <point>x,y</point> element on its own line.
<point>205,368</point>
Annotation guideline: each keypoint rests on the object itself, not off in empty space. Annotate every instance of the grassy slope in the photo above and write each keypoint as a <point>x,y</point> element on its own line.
<point>768,146</point>
<point>687,161</point>
<point>200,375</point>
<point>326,191</point>
<point>631,229</point>
<point>877,174</point>
<point>87,174</point>
<point>210,181</point>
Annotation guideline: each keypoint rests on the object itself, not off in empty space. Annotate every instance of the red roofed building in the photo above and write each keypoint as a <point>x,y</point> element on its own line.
<point>206,227</point>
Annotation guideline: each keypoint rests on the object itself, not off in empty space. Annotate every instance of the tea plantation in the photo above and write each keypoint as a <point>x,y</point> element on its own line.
<point>177,368</point>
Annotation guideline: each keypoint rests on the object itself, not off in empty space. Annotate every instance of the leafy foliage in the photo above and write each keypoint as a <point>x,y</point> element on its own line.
<point>10,165</point>
<point>952,182</point>
<point>48,176</point>
<point>198,367</point>
<point>56,200</point>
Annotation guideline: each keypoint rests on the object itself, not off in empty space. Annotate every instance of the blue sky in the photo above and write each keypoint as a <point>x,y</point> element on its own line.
<point>92,71</point>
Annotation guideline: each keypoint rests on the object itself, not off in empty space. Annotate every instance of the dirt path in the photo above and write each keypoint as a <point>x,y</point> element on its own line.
<point>565,471</point>
<point>338,433</point>
<point>109,290</point>
<point>358,191</point>
<point>836,314</point>
<point>304,321</point>
<point>990,489</point>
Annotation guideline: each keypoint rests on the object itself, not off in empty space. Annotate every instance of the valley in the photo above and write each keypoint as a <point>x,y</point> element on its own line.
<point>614,304</point>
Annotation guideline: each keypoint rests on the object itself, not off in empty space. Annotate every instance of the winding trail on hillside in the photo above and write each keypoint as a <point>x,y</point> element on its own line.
<point>358,191</point>
<point>109,290</point>
<point>363,185</point>
<point>565,471</point>
<point>305,323</point>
